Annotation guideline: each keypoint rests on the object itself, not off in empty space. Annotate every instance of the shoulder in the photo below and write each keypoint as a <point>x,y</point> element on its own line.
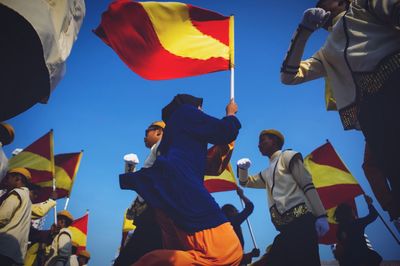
<point>289,155</point>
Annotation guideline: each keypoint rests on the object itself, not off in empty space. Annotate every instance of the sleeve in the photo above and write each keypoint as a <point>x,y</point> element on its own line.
<point>152,156</point>
<point>8,208</point>
<point>387,11</point>
<point>41,209</point>
<point>295,71</point>
<point>211,129</point>
<point>255,181</point>
<point>372,215</point>
<point>242,216</point>
<point>304,180</point>
<point>3,163</point>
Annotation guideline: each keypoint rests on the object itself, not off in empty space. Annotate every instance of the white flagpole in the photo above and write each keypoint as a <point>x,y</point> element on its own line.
<point>232,56</point>
<point>55,206</point>
<point>250,229</point>
<point>66,203</point>
<point>232,83</point>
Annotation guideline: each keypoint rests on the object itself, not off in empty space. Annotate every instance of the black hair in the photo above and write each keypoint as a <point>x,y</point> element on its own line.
<point>177,101</point>
<point>227,209</point>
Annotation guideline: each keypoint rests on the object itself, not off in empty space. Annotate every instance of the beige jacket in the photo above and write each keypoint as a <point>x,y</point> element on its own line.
<point>357,43</point>
<point>289,187</point>
<point>15,219</point>
<point>61,249</point>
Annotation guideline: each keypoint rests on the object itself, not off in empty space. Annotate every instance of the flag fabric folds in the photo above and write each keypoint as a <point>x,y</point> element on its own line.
<point>167,40</point>
<point>127,226</point>
<point>219,175</point>
<point>79,230</point>
<point>36,40</point>
<point>66,168</point>
<point>38,158</point>
<point>333,181</point>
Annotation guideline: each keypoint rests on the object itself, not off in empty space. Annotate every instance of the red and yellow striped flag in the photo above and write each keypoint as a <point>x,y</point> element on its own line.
<point>224,182</point>
<point>38,158</point>
<point>333,181</point>
<point>66,167</point>
<point>219,175</point>
<point>166,40</point>
<point>79,230</point>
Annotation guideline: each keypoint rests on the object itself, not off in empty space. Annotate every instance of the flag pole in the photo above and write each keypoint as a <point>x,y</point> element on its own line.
<point>250,229</point>
<point>232,56</point>
<point>388,228</point>
<point>232,83</point>
<point>55,206</point>
<point>66,203</point>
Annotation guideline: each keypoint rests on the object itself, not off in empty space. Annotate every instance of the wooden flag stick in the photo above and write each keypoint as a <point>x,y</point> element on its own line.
<point>55,206</point>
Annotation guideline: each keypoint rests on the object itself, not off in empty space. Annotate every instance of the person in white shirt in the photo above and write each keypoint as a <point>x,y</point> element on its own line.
<point>295,207</point>
<point>15,217</point>
<point>61,247</point>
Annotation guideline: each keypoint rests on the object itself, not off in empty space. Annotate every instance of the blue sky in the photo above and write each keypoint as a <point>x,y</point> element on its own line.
<point>103,108</point>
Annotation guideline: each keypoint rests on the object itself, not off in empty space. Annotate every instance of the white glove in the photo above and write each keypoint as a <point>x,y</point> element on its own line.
<point>244,163</point>
<point>315,18</point>
<point>321,226</point>
<point>131,158</point>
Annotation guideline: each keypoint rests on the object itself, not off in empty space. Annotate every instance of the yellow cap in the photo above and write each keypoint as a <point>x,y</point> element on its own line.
<point>66,214</point>
<point>21,170</point>
<point>84,253</point>
<point>6,133</point>
<point>273,132</point>
<point>158,124</point>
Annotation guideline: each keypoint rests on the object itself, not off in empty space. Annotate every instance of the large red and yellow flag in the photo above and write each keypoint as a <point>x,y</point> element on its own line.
<point>166,40</point>
<point>79,230</point>
<point>38,158</point>
<point>219,175</point>
<point>66,168</point>
<point>333,181</point>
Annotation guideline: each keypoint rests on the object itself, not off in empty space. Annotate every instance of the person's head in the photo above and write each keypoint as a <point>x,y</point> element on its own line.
<point>344,213</point>
<point>270,141</point>
<point>178,101</point>
<point>17,177</point>
<point>83,257</point>
<point>6,133</point>
<point>64,219</point>
<point>154,133</point>
<point>229,210</point>
<point>335,7</point>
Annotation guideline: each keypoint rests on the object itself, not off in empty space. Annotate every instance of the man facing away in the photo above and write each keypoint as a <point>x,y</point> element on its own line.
<point>295,207</point>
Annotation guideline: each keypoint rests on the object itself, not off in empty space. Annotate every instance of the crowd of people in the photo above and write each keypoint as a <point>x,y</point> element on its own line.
<point>21,242</point>
<point>178,222</point>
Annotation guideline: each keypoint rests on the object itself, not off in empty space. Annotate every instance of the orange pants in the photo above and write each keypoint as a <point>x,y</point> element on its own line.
<point>215,246</point>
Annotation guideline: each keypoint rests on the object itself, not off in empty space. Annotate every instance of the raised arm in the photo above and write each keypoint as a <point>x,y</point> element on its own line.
<point>255,181</point>
<point>295,71</point>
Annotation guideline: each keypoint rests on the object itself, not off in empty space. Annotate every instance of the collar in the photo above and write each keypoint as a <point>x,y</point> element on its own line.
<point>335,20</point>
<point>275,155</point>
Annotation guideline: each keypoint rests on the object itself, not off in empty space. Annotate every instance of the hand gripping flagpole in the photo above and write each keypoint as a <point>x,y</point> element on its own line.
<point>250,229</point>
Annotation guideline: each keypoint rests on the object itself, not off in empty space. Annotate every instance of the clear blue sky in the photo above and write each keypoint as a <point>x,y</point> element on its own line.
<point>103,108</point>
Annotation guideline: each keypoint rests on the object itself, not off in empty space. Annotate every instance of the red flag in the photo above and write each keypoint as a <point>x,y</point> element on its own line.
<point>166,40</point>
<point>219,175</point>
<point>334,183</point>
<point>79,230</point>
